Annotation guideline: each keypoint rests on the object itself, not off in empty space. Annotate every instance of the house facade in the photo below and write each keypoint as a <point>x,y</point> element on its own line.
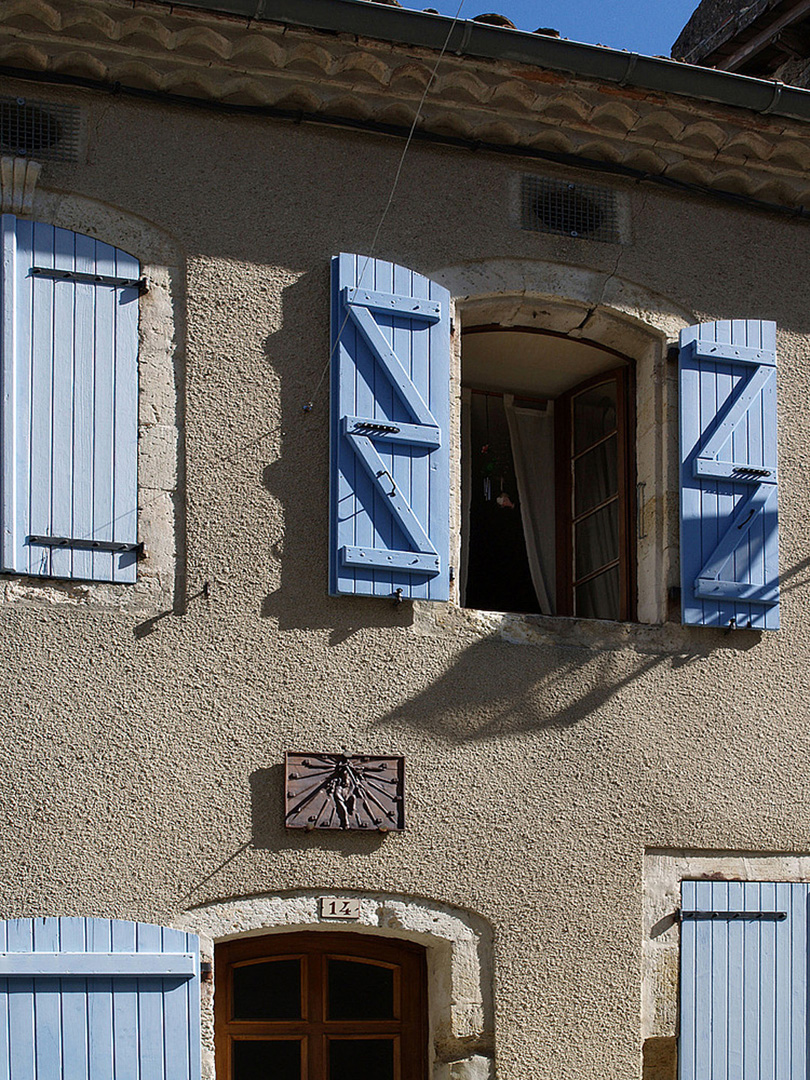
<point>394,642</point>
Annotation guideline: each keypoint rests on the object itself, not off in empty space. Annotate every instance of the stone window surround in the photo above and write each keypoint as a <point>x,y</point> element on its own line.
<point>635,322</point>
<point>158,434</point>
<point>664,870</point>
<point>459,963</point>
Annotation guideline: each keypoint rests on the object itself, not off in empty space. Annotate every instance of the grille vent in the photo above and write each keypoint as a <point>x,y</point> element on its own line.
<point>568,209</point>
<point>39,129</point>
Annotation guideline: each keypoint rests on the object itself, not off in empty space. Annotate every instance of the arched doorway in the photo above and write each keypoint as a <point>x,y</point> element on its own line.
<point>320,1006</point>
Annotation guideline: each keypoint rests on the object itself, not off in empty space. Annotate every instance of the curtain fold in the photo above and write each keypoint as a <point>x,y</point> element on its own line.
<point>531,432</point>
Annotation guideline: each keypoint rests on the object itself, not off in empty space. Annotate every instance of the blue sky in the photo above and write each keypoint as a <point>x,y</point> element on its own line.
<point>645,26</point>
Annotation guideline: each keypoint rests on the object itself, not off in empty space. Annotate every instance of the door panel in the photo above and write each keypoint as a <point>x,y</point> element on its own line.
<point>320,1006</point>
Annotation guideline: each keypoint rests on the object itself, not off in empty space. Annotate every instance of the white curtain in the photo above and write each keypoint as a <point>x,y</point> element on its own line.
<point>531,432</point>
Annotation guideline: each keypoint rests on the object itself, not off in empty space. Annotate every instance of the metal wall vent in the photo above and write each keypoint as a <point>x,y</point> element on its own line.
<point>39,129</point>
<point>568,209</point>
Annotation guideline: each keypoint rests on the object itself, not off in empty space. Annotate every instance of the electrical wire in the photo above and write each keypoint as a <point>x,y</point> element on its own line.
<point>417,115</point>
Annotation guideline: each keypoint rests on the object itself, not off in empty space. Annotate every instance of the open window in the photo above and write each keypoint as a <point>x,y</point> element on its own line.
<point>547,475</point>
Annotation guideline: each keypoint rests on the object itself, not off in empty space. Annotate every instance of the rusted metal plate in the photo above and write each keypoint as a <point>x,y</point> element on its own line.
<point>341,791</point>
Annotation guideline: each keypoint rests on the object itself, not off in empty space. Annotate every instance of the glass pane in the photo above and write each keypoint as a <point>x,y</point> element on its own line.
<point>271,1059</point>
<point>371,1059</point>
<point>359,991</point>
<point>596,476</point>
<point>594,415</point>
<point>267,991</point>
<point>599,597</point>
<point>596,541</point>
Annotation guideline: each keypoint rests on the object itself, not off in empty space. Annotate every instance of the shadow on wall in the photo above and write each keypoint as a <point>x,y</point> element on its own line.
<point>660,1059</point>
<point>299,478</point>
<point>496,689</point>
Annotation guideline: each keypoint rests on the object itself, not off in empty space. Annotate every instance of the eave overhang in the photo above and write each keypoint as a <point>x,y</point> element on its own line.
<point>361,63</point>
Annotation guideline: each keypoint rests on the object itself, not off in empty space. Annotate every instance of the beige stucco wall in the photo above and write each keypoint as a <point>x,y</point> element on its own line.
<point>144,735</point>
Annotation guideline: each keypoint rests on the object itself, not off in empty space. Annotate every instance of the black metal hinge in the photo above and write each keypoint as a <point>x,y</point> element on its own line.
<point>91,279</point>
<point>759,916</point>
<point>86,545</point>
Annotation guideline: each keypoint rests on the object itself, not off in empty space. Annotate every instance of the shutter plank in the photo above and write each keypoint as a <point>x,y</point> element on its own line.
<point>74,1006</point>
<point>63,374</point>
<point>8,487</point>
<point>105,298</point>
<point>84,393</point>
<point>5,1062</point>
<point>415,466</point>
<point>125,1007</point>
<point>799,945</point>
<point>735,983</point>
<point>729,540</point>
<point>717,992</point>
<point>150,1010</point>
<point>41,361</point>
<point>17,303</point>
<point>21,1007</point>
<point>390,495</point>
<point>182,1013</point>
<point>100,1005</point>
<point>47,1011</point>
<point>367,501</point>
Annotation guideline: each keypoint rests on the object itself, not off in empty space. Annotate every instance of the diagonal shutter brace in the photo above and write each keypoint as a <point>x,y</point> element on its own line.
<point>91,279</point>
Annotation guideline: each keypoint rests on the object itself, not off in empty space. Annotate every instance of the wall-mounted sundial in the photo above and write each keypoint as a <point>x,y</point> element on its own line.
<point>342,791</point>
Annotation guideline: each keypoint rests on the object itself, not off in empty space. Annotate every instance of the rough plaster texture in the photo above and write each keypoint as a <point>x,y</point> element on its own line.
<point>144,731</point>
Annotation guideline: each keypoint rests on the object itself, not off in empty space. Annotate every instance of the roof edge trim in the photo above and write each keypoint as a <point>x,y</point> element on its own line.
<point>363,18</point>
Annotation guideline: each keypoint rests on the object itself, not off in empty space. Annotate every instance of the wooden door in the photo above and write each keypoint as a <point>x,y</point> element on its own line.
<point>320,1006</point>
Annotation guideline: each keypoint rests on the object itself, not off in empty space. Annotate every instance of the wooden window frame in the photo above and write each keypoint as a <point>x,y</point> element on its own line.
<point>622,377</point>
<point>408,1029</point>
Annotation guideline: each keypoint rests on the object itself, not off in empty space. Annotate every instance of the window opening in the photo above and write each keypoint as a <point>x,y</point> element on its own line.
<point>546,484</point>
<point>312,1006</point>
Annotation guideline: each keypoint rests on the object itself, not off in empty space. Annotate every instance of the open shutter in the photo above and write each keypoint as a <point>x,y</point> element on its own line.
<point>743,981</point>
<point>69,333</point>
<point>83,999</point>
<point>390,415</point>
<point>729,531</point>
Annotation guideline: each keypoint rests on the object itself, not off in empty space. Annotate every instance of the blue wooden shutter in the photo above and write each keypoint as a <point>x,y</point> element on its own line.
<point>729,530</point>
<point>744,981</point>
<point>390,483</point>
<point>91,999</point>
<point>69,404</point>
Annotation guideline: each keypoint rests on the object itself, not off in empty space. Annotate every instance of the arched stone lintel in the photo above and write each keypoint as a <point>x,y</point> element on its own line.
<point>458,945</point>
<point>565,298</point>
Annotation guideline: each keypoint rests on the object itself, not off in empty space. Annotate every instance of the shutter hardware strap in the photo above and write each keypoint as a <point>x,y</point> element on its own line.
<point>760,916</point>
<point>750,470</point>
<point>87,545</point>
<point>91,279</point>
<point>381,429</point>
